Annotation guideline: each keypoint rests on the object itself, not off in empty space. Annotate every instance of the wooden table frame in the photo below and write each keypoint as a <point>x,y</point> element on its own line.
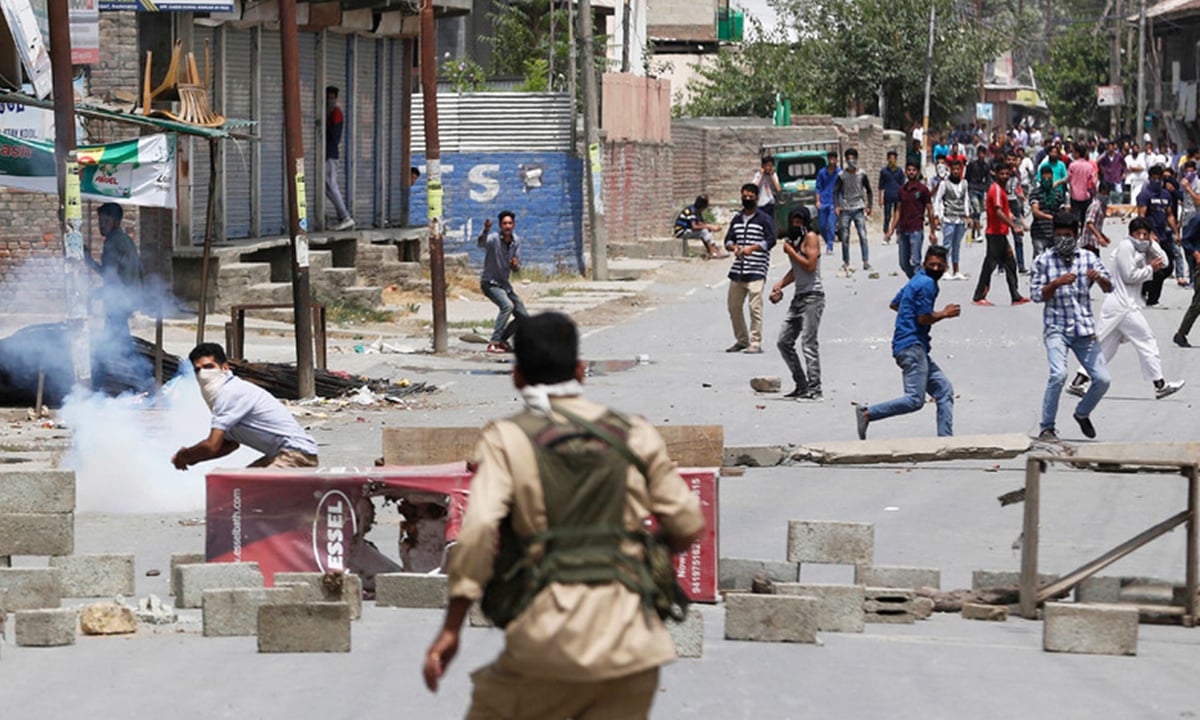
<point>235,330</point>
<point>1032,596</point>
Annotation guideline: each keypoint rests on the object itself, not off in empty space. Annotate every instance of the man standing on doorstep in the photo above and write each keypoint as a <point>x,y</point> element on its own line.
<point>335,122</point>
<point>1062,279</point>
<point>952,209</point>
<point>916,206</point>
<point>690,225</point>
<point>891,177</point>
<point>910,349</point>
<point>852,201</point>
<point>574,481</point>
<point>999,252</point>
<point>826,217</point>
<point>803,249</point>
<point>750,237</point>
<point>1134,260</point>
<point>502,256</point>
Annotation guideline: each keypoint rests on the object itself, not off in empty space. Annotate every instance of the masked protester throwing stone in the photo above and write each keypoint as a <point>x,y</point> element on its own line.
<point>803,250</point>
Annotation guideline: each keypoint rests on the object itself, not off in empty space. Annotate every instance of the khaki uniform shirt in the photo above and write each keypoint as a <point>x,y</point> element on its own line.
<point>569,632</point>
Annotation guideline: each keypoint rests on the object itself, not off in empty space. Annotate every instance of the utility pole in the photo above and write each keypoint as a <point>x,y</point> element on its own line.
<point>571,50</point>
<point>928,86</point>
<point>550,62</point>
<point>591,129</point>
<point>293,134</point>
<point>1141,97</point>
<point>70,208</point>
<point>433,161</point>
<point>1114,70</point>
<point>625,38</point>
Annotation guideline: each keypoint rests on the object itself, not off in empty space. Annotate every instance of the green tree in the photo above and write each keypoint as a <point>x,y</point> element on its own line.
<point>1078,63</point>
<point>521,33</point>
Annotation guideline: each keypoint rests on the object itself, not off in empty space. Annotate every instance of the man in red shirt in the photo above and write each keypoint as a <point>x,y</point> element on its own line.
<point>1081,183</point>
<point>999,252</point>
<point>916,204</point>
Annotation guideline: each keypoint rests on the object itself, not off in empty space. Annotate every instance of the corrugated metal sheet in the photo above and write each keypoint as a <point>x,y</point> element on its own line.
<point>274,201</point>
<point>396,90</point>
<point>497,122</point>
<point>361,190</point>
<point>238,157</point>
<point>312,101</point>
<point>335,74</point>
<point>200,166</point>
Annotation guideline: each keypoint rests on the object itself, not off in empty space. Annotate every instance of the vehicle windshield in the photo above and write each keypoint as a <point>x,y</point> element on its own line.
<point>800,169</point>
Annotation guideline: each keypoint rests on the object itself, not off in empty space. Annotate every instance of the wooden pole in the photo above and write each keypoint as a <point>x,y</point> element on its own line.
<point>433,155</point>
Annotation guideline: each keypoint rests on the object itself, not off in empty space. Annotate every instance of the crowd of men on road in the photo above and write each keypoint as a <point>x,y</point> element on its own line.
<point>1005,186</point>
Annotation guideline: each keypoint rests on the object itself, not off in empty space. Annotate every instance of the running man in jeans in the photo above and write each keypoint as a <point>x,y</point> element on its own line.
<point>1062,279</point>
<point>502,256</point>
<point>999,252</point>
<point>910,348</point>
<point>803,250</point>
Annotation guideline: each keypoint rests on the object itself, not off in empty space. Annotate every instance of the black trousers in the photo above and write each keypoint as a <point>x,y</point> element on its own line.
<point>1152,288</point>
<point>999,254</point>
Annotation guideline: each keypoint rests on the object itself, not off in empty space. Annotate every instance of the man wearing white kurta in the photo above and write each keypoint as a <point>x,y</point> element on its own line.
<point>1134,261</point>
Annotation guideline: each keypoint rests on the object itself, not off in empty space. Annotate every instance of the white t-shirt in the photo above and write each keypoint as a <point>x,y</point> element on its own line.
<point>251,416</point>
<point>766,188</point>
<point>1136,177</point>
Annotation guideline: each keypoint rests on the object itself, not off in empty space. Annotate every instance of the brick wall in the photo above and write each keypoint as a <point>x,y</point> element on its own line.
<point>636,179</point>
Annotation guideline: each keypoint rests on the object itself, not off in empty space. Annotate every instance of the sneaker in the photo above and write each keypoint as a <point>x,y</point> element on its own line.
<point>346,224</point>
<point>799,392</point>
<point>1181,340</point>
<point>1168,389</point>
<point>1076,390</point>
<point>812,396</point>
<point>867,266</point>
<point>1048,435</point>
<point>1023,271</point>
<point>1021,301</point>
<point>736,347</point>
<point>983,303</point>
<point>861,419</point>
<point>753,350</point>
<point>497,348</point>
<point>1085,425</point>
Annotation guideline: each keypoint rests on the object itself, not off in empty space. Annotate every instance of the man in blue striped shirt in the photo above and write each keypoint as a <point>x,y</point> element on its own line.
<point>750,237</point>
<point>1062,279</point>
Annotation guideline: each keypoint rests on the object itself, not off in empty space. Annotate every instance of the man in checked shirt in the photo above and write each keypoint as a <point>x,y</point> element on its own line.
<point>1062,279</point>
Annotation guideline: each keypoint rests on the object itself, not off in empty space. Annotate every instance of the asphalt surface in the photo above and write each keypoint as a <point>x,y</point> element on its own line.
<point>938,515</point>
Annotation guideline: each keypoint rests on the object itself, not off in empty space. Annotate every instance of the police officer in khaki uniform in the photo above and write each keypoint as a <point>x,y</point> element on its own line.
<point>577,650</point>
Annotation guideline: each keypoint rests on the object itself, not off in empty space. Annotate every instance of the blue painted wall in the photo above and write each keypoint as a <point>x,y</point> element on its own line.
<point>543,189</point>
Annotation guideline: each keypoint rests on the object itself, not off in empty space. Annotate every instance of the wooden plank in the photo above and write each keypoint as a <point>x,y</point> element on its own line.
<point>1029,539</point>
<point>688,445</point>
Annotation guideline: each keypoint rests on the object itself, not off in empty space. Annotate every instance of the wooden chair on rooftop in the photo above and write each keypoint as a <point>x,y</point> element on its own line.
<point>184,86</point>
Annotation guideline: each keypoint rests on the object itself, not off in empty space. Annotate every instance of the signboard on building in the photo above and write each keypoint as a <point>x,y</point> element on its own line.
<point>85,32</point>
<point>983,111</point>
<point>1109,95</point>
<point>26,123</point>
<point>166,5</point>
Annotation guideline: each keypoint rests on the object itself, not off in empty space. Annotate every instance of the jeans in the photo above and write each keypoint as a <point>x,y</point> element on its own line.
<point>803,320</point>
<point>510,304</point>
<point>921,376</point>
<point>889,208</point>
<point>827,222</point>
<point>1087,350</point>
<point>910,251</point>
<point>1193,311</point>
<point>332,191</point>
<point>739,291</point>
<point>859,218</point>
<point>998,254</point>
<point>952,235</point>
<point>703,234</point>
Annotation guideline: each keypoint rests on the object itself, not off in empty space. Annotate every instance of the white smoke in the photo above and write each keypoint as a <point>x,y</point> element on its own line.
<point>121,449</point>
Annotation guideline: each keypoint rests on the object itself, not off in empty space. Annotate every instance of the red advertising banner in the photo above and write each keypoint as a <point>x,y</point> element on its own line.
<point>696,569</point>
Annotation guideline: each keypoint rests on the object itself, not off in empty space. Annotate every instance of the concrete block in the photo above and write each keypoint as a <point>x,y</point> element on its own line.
<point>688,635</point>
<point>754,455</point>
<point>95,575</point>
<point>410,590</point>
<point>193,580</point>
<point>234,611</point>
<point>107,618</point>
<point>840,608</point>
<point>341,587</point>
<point>889,605</point>
<point>37,491</point>
<point>37,533</point>
<point>45,628</point>
<point>984,579</point>
<point>830,542</point>
<point>897,577</point>
<point>1090,629</point>
<point>894,450</point>
<point>31,588</point>
<point>178,559</point>
<point>771,618</point>
<point>304,627</point>
<point>736,573</point>
<point>979,611</point>
<point>1098,589</point>
<point>766,384</point>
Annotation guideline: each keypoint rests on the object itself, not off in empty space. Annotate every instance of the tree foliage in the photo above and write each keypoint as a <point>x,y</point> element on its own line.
<point>521,35</point>
<point>1078,63</point>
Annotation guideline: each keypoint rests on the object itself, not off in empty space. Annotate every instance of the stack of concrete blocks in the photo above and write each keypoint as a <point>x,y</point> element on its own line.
<point>902,578</point>
<point>192,580</point>
<point>840,608</point>
<point>178,559</point>
<point>738,573</point>
<point>410,590</point>
<point>890,605</point>
<point>988,579</point>
<point>233,612</point>
<point>1099,629</point>
<point>345,588</point>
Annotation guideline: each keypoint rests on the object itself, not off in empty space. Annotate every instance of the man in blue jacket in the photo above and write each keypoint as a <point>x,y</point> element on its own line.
<point>826,220</point>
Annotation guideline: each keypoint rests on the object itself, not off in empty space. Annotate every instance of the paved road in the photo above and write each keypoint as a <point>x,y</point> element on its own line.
<point>933,515</point>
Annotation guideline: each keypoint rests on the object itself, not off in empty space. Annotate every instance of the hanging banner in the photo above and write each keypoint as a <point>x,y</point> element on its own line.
<point>166,5</point>
<point>132,172</point>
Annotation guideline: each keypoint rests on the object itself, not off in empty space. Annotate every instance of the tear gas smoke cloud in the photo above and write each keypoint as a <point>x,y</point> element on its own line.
<point>121,449</point>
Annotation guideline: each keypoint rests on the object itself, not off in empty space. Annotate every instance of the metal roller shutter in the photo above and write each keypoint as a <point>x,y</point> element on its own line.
<point>274,199</point>
<point>366,97</point>
<point>335,74</point>
<point>238,156</point>
<point>200,166</point>
<point>395,131</point>
<point>312,101</point>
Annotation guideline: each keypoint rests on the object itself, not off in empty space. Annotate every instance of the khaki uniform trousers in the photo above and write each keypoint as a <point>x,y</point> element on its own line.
<point>738,293</point>
<point>502,695</point>
<point>286,459</point>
